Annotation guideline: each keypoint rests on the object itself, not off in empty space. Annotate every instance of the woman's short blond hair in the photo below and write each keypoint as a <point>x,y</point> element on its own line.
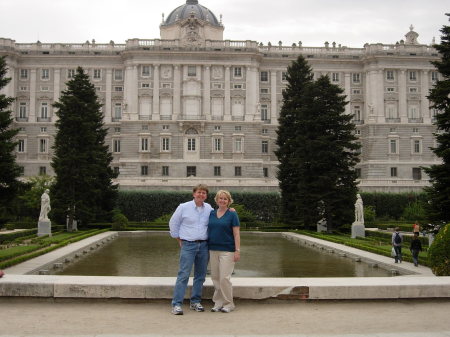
<point>226,193</point>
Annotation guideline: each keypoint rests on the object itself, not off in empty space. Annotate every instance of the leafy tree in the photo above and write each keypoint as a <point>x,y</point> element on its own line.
<point>438,207</point>
<point>32,196</point>
<point>9,170</point>
<point>317,150</point>
<point>83,189</point>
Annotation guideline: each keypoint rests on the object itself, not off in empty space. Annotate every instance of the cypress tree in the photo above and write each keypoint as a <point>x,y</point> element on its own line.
<point>83,189</point>
<point>9,170</point>
<point>438,207</point>
<point>316,150</point>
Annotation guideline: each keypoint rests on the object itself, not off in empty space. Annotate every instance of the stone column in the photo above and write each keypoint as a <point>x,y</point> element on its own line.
<point>56,91</point>
<point>251,90</point>
<point>347,92</point>
<point>402,108</point>
<point>424,103</point>
<point>176,111</point>
<point>273,98</point>
<point>227,100</point>
<point>379,105</point>
<point>107,112</point>
<point>156,116</point>
<point>32,116</point>
<point>207,92</point>
<point>131,92</point>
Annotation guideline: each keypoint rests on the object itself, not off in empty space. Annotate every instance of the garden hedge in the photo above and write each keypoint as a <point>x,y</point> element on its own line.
<point>439,253</point>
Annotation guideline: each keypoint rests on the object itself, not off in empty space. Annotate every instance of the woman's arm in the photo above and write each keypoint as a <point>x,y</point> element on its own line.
<point>237,243</point>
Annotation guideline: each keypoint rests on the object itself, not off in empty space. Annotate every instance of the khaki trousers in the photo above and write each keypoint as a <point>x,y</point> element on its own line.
<point>222,265</point>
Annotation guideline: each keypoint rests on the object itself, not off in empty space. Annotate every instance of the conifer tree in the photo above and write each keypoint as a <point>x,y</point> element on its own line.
<point>438,207</point>
<point>83,189</point>
<point>316,150</point>
<point>9,170</point>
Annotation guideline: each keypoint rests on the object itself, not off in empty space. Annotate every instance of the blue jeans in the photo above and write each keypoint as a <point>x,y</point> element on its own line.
<point>192,254</point>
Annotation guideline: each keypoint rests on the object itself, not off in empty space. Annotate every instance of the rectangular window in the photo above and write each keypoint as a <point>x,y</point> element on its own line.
<point>390,89</point>
<point>264,76</point>
<point>238,145</point>
<point>43,129</point>
<point>217,85</point>
<point>191,171</point>
<point>356,91</point>
<point>217,127</point>
<point>415,130</point>
<point>264,90</point>
<point>237,86</point>
<point>42,145</point>
<point>264,131</point>
<point>265,146</point>
<point>116,170</point>
<point>238,128</point>
<point>117,111</point>
<point>70,73</point>
<point>413,90</point>
<point>144,144</point>
<point>21,145</point>
<point>265,172</point>
<point>393,146</point>
<point>216,171</point>
<point>284,76</point>
<point>165,127</point>
<point>192,71</point>
<point>44,110</point>
<point>264,112</point>
<point>118,89</point>
<point>191,144</point>
<point>165,171</point>
<point>356,77</point>
<point>144,170</point>
<point>116,145</point>
<point>417,173</point>
<point>238,171</point>
<point>237,71</point>
<point>145,85</point>
<point>22,110</point>
<point>165,144</point>
<point>45,74</point>
<point>23,74</point>
<point>42,170</point>
<point>118,74</point>
<point>413,76</point>
<point>358,173</point>
<point>393,172</point>
<point>417,146</point>
<point>390,75</point>
<point>335,77</point>
<point>434,76</point>
<point>145,71</point>
<point>357,113</point>
<point>217,144</point>
<point>97,74</point>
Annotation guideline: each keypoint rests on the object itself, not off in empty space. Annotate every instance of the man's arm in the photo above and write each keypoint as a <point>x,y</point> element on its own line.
<point>175,222</point>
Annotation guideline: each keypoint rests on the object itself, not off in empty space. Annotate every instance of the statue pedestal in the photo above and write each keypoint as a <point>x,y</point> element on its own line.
<point>44,228</point>
<point>358,229</point>
<point>322,226</point>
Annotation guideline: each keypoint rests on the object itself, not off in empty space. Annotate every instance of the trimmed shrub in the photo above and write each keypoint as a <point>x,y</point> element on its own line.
<point>414,211</point>
<point>391,205</point>
<point>369,213</point>
<point>439,253</point>
<point>120,221</point>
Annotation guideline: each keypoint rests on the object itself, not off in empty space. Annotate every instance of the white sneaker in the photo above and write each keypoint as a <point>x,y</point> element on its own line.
<point>197,307</point>
<point>226,310</point>
<point>176,310</point>
<point>216,309</point>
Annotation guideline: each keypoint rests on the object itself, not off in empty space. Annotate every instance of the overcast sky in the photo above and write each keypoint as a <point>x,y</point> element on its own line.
<point>348,22</point>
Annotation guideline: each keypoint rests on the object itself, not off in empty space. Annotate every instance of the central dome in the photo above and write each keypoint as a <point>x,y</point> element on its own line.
<point>191,7</point>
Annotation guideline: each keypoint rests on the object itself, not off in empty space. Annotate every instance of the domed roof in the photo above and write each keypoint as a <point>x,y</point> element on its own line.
<point>192,7</point>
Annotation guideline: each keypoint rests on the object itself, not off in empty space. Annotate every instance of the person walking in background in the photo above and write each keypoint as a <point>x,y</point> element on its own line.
<point>415,248</point>
<point>416,228</point>
<point>397,240</point>
<point>224,248</point>
<point>189,225</point>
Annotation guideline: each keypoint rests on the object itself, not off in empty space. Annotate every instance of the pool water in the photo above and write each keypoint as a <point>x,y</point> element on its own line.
<point>156,255</point>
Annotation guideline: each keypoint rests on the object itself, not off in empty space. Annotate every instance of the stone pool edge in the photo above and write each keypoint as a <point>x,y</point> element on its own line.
<point>18,282</point>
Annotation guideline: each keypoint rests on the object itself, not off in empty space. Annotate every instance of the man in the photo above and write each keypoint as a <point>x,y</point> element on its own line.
<point>397,240</point>
<point>189,225</point>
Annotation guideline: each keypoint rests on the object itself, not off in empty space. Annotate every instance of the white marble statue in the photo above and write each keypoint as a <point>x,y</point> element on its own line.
<point>359,209</point>
<point>45,206</point>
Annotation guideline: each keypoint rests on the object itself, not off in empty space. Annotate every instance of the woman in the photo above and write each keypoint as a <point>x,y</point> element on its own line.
<point>224,250</point>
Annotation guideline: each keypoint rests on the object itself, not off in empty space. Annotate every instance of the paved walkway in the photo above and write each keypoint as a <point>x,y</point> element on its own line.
<point>402,318</point>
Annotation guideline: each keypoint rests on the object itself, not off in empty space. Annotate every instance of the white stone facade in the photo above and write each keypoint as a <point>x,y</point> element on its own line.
<point>208,109</point>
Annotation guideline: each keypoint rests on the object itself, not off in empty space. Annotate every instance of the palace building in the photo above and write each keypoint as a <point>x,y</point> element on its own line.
<point>192,107</point>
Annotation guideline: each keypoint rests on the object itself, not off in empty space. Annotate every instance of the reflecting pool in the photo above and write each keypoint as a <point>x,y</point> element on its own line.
<point>262,255</point>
